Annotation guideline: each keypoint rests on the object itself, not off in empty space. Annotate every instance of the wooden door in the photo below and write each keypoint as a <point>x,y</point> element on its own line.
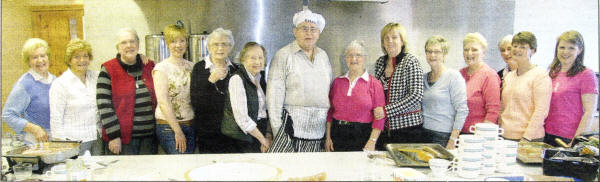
<point>57,25</point>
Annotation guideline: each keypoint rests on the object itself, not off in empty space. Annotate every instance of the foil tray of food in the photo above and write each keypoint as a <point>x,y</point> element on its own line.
<point>532,152</point>
<point>417,154</point>
<point>43,153</point>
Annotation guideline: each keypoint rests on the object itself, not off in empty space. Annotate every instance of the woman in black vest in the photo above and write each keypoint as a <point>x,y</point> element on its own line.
<point>245,114</point>
<point>208,86</point>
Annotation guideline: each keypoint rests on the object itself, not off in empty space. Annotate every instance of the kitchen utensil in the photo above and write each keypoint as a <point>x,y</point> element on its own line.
<point>561,143</point>
<point>106,164</point>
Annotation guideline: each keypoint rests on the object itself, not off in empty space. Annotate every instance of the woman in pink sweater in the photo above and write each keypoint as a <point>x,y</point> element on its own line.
<point>574,91</point>
<point>483,84</point>
<point>525,93</point>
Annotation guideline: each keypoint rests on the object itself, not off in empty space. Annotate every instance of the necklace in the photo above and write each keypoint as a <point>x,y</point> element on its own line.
<point>137,77</point>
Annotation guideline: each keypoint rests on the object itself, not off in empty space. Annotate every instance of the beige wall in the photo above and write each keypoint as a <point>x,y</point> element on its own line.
<point>16,29</point>
<point>102,20</point>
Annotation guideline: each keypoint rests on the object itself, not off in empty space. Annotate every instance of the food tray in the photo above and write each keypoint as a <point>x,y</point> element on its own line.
<point>39,161</point>
<point>531,152</point>
<point>403,160</point>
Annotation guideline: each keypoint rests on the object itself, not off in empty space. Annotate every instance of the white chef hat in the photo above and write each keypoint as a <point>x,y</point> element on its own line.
<point>309,16</point>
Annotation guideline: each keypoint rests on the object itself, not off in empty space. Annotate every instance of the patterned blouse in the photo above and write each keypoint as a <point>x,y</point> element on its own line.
<point>178,77</point>
<point>404,92</point>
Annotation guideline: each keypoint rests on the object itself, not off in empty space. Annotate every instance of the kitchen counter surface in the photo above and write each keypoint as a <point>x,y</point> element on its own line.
<point>337,166</point>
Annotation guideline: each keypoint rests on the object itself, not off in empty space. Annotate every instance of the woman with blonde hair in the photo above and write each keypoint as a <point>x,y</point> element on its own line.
<point>505,46</point>
<point>574,91</point>
<point>402,78</point>
<point>483,84</point>
<point>27,108</point>
<point>73,110</point>
<point>174,114</point>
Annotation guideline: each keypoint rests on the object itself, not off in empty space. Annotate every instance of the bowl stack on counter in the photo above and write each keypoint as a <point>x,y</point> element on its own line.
<point>469,161</point>
<point>484,152</point>
<point>493,147</point>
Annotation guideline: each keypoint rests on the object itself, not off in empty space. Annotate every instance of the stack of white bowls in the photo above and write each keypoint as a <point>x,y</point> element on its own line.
<point>469,161</point>
<point>491,134</point>
<point>506,156</point>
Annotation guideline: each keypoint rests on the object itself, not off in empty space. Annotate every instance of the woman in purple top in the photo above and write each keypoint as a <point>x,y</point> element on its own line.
<point>356,98</point>
<point>27,109</point>
<point>574,91</point>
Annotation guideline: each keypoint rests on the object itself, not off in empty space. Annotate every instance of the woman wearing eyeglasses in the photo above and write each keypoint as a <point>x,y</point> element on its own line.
<point>351,124</point>
<point>297,88</point>
<point>209,83</point>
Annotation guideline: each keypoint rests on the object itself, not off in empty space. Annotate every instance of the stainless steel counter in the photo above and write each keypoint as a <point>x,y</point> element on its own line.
<point>337,166</point>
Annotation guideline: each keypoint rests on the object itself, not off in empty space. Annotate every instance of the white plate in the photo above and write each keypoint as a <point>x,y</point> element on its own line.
<point>234,171</point>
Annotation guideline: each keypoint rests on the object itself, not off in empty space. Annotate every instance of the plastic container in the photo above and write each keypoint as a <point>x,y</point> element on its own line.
<point>586,170</point>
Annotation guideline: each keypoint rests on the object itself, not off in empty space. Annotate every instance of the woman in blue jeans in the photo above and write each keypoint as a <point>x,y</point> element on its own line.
<point>172,83</point>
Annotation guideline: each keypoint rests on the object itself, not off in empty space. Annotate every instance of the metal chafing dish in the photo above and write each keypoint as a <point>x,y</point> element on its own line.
<point>406,159</point>
<point>50,153</point>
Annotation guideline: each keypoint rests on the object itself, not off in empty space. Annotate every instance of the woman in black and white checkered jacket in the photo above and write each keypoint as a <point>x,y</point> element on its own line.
<point>402,78</point>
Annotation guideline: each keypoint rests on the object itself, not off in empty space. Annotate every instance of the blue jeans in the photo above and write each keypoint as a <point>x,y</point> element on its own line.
<point>166,137</point>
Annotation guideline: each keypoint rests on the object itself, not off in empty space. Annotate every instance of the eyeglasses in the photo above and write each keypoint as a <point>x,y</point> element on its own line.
<point>308,29</point>
<point>222,44</point>
<point>433,52</point>
<point>352,56</point>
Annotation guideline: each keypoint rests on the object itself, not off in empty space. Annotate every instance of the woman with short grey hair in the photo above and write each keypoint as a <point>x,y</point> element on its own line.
<point>209,85</point>
<point>351,122</point>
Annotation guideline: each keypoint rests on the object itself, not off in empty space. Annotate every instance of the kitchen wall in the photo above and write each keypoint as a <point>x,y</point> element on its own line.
<point>557,17</point>
<point>15,31</point>
<point>269,22</point>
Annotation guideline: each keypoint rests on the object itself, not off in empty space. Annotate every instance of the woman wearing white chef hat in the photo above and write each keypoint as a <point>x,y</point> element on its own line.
<point>298,88</point>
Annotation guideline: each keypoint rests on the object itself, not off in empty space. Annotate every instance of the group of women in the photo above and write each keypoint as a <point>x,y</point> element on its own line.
<point>215,106</point>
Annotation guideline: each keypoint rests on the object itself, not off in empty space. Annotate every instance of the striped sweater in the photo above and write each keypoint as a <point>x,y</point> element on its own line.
<point>143,112</point>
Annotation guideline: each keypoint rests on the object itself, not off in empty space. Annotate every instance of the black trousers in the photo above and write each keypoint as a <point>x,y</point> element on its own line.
<point>214,142</point>
<point>413,134</point>
<point>349,136</point>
